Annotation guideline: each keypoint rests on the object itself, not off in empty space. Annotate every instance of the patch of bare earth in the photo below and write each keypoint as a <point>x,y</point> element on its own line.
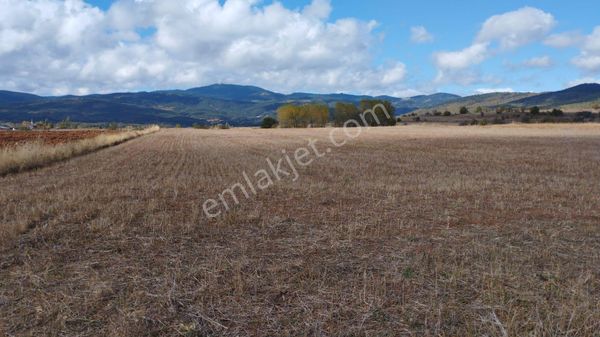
<point>406,231</point>
<point>12,138</point>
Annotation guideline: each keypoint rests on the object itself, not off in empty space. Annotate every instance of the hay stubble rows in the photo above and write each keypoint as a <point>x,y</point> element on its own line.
<point>420,230</point>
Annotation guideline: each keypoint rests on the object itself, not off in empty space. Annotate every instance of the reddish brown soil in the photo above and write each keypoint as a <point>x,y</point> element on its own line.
<point>9,138</point>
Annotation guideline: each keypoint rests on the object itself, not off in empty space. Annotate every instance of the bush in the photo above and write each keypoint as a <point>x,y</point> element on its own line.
<point>498,121</point>
<point>66,124</point>
<point>474,122</point>
<point>484,122</point>
<point>268,122</point>
<point>447,113</point>
<point>535,110</point>
<point>463,123</point>
<point>557,112</point>
<point>437,113</point>
<point>525,119</point>
<point>464,110</point>
<point>199,126</point>
<point>585,114</point>
<point>548,120</point>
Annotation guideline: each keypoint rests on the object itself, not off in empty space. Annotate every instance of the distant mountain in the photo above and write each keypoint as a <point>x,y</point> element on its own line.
<point>583,96</point>
<point>490,100</point>
<point>235,93</point>
<point>7,97</point>
<point>577,94</point>
<point>234,104</point>
<point>243,105</point>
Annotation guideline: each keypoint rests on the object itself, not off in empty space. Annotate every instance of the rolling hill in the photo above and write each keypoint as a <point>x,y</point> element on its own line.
<point>234,104</point>
<point>581,97</point>
<point>247,105</point>
<point>472,102</point>
<point>577,94</point>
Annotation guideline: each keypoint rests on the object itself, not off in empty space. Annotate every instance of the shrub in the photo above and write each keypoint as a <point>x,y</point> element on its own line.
<point>464,110</point>
<point>66,124</point>
<point>268,122</point>
<point>463,123</point>
<point>525,119</point>
<point>474,122</point>
<point>437,113</point>
<point>548,120</point>
<point>483,122</point>
<point>535,110</point>
<point>447,113</point>
<point>479,110</point>
<point>585,114</point>
<point>556,112</point>
<point>199,126</point>
<point>498,121</point>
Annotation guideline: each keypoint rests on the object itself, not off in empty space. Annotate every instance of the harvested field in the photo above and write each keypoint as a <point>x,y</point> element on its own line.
<point>404,231</point>
<point>10,138</point>
<point>34,154</point>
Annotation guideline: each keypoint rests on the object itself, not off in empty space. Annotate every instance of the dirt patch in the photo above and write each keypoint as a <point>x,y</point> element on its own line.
<point>11,138</point>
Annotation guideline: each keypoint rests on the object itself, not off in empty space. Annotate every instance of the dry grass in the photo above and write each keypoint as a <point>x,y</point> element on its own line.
<point>407,231</point>
<point>37,154</point>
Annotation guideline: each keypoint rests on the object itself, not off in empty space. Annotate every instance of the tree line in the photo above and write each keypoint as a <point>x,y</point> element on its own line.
<point>366,113</point>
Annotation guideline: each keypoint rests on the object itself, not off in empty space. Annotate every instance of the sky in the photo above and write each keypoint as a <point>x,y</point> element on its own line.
<point>377,47</point>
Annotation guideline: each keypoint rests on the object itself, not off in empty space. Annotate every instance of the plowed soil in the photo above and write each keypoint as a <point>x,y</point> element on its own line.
<point>10,138</point>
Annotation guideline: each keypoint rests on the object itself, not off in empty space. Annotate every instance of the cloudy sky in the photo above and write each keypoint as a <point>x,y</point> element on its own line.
<point>376,47</point>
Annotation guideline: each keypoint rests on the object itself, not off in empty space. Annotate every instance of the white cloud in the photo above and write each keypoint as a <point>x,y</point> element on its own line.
<point>453,66</point>
<point>589,58</point>
<point>516,28</point>
<point>482,91</point>
<point>510,30</point>
<point>320,9</point>
<point>538,62</point>
<point>451,60</point>
<point>69,46</point>
<point>564,40</point>
<point>419,34</point>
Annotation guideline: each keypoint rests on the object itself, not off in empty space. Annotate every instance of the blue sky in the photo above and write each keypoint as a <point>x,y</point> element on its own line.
<point>461,48</point>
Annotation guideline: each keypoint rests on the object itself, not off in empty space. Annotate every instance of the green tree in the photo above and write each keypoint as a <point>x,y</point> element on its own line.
<point>479,110</point>
<point>464,110</point>
<point>268,122</point>
<point>447,113</point>
<point>377,113</point>
<point>535,110</point>
<point>345,112</point>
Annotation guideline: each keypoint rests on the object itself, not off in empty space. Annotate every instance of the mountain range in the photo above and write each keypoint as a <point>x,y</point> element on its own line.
<point>246,105</point>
